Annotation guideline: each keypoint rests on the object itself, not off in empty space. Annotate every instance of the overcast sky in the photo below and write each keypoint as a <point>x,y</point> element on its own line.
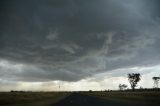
<point>79,44</point>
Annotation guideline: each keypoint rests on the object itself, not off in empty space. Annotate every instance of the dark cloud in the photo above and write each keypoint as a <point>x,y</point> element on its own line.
<point>74,39</point>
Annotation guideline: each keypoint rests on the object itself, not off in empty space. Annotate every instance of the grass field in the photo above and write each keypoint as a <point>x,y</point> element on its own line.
<point>133,98</point>
<point>30,98</point>
<point>129,98</point>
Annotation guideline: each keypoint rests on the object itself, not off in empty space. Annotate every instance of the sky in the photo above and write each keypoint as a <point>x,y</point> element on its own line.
<point>78,44</point>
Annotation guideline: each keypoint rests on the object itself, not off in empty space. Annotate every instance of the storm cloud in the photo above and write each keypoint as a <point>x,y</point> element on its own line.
<point>70,40</point>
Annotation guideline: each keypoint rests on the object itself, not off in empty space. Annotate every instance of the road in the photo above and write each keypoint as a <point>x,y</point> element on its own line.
<point>77,99</point>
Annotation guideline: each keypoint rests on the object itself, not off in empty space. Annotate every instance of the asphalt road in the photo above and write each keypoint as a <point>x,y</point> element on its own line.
<point>77,99</point>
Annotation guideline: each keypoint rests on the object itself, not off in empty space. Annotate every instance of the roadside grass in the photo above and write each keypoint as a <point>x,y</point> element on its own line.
<point>132,98</point>
<point>30,98</point>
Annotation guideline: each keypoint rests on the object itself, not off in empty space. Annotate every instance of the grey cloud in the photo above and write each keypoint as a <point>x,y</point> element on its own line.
<point>71,40</point>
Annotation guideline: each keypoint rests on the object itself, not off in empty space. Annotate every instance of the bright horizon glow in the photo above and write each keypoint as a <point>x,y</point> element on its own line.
<point>102,81</point>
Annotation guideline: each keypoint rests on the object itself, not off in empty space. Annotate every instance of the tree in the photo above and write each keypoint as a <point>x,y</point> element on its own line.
<point>122,86</point>
<point>156,81</point>
<point>134,78</point>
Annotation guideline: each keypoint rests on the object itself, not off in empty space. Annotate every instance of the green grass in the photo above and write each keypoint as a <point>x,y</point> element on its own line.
<point>30,98</point>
